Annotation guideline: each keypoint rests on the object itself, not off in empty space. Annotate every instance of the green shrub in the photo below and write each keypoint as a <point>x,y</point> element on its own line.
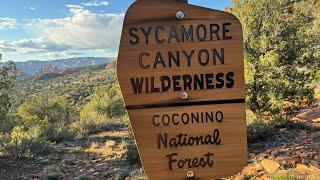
<point>96,124</point>
<point>47,117</point>
<point>64,135</point>
<point>132,155</point>
<point>90,123</point>
<point>260,131</point>
<point>123,145</point>
<point>291,125</point>
<point>7,123</point>
<point>52,133</point>
<point>288,176</point>
<point>138,174</point>
<point>121,176</point>
<point>83,178</point>
<point>105,111</point>
<point>52,173</point>
<point>53,177</point>
<point>41,110</point>
<point>20,143</point>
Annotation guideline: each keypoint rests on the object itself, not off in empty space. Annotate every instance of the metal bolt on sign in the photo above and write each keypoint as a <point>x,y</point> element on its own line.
<point>180,15</point>
<point>190,175</point>
<point>184,96</point>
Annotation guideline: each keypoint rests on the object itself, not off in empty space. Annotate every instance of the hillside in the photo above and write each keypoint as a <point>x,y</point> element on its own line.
<point>31,67</point>
<point>76,86</point>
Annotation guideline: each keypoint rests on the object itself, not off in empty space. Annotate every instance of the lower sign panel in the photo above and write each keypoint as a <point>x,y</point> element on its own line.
<point>209,140</point>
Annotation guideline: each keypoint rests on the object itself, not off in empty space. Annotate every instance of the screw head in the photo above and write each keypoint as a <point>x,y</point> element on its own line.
<point>180,15</point>
<point>190,174</point>
<point>184,96</point>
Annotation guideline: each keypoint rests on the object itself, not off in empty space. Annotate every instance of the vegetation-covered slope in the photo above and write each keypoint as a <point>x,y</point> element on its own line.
<point>76,87</point>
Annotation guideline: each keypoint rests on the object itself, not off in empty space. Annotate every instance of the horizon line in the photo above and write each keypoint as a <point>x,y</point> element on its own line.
<point>6,61</point>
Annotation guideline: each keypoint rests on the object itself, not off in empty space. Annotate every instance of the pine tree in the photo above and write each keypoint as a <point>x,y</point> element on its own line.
<point>8,73</point>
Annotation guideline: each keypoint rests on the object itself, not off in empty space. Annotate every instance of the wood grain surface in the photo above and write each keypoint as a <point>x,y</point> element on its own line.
<point>152,53</point>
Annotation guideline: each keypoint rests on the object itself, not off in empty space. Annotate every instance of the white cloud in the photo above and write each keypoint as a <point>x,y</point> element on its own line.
<point>96,3</point>
<point>32,9</point>
<point>8,23</point>
<point>85,30</point>
<point>82,31</point>
<point>6,47</point>
<point>74,6</point>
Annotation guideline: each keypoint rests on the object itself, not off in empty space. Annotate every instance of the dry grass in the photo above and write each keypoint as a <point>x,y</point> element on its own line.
<point>111,144</point>
<point>94,145</point>
<point>317,91</point>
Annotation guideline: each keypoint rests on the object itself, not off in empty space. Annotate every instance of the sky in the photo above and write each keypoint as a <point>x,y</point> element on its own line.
<point>57,29</point>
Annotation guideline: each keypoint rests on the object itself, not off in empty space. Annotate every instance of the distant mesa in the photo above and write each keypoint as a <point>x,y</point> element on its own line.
<point>48,68</point>
<point>67,71</point>
<point>111,64</point>
<point>59,66</point>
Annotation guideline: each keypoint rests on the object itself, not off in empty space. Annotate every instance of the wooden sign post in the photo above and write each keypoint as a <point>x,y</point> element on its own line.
<point>181,72</point>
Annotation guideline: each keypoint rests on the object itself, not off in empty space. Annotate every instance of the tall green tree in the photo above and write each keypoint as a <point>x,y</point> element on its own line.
<point>281,40</point>
<point>8,73</point>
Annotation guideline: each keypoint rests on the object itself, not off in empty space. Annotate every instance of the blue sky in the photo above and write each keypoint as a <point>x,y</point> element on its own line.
<point>52,29</point>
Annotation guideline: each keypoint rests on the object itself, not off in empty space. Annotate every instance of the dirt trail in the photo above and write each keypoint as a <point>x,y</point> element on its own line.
<point>311,115</point>
<point>100,156</point>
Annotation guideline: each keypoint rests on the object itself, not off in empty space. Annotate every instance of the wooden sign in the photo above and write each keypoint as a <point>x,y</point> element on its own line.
<point>181,72</point>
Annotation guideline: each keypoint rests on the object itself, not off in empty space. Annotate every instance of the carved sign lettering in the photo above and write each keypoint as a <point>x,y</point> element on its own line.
<point>161,57</point>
